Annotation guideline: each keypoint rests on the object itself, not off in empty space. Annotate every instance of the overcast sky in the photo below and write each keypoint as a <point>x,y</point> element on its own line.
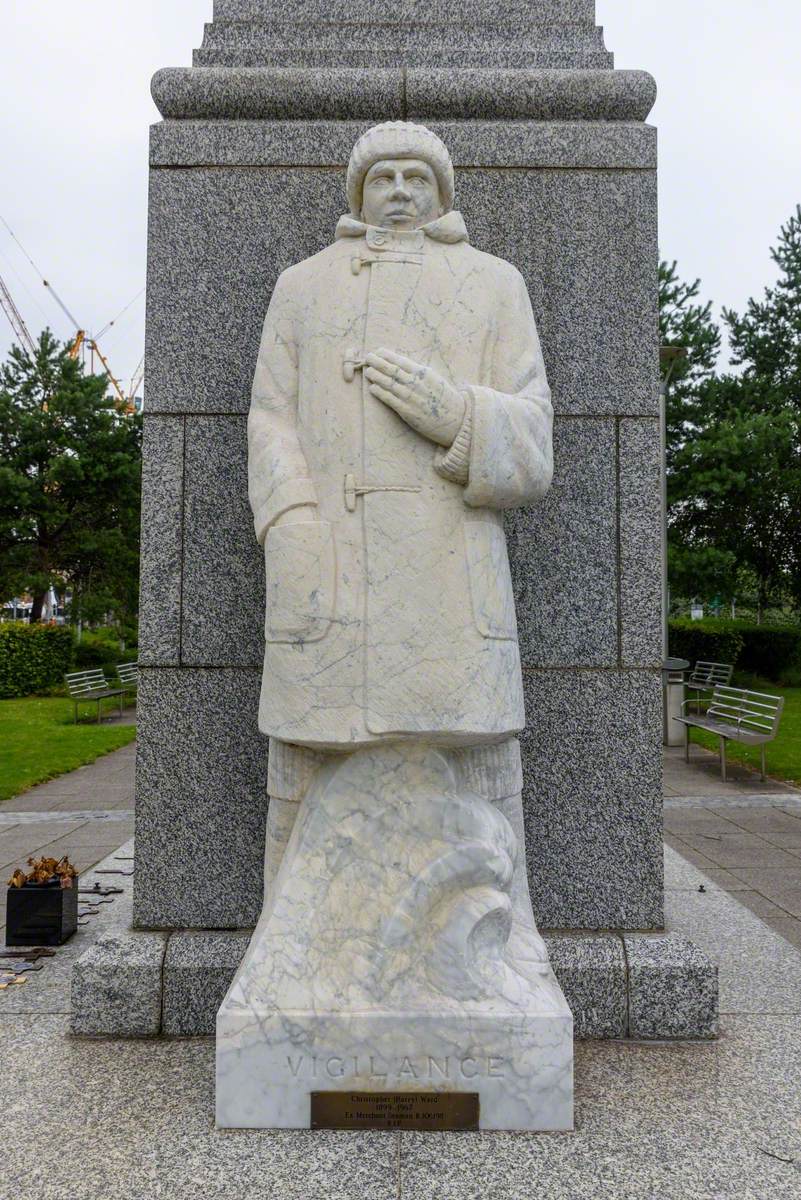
<point>75,82</point>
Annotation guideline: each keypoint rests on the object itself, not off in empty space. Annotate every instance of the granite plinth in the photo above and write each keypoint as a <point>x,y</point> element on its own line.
<point>568,12</point>
<point>592,798</point>
<point>221,227</point>
<point>563,554</point>
<point>524,35</point>
<point>640,543</point>
<point>198,969</point>
<point>592,974</point>
<point>117,985</point>
<point>671,993</point>
<point>162,536</point>
<point>223,592</point>
<point>607,145</point>
<point>348,94</point>
<point>201,799</point>
<point>673,988</point>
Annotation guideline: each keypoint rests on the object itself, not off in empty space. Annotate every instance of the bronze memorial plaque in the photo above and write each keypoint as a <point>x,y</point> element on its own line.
<point>394,1110</point>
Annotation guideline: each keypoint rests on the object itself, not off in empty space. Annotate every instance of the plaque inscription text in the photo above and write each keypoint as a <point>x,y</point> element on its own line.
<point>394,1110</point>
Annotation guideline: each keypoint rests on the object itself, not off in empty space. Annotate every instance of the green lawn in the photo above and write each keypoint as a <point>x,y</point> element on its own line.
<point>39,741</point>
<point>784,753</point>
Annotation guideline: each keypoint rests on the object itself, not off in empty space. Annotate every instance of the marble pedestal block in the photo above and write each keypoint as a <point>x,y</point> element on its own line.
<point>396,952</point>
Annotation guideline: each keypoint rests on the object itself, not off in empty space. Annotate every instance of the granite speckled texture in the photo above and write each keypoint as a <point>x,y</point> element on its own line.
<point>592,974</point>
<point>219,227</point>
<point>278,92</point>
<point>673,988</point>
<point>551,11</point>
<point>198,968</point>
<point>592,798</point>
<point>215,252</point>
<point>116,986</point>
<point>607,145</point>
<point>640,546</point>
<point>483,36</point>
<point>535,95</point>
<point>201,799</point>
<point>162,528</point>
<point>223,593</point>
<point>579,204</point>
<point>563,554</point>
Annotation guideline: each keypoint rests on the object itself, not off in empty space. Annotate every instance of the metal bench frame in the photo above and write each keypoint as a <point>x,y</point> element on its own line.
<point>737,715</point>
<point>91,685</point>
<point>128,674</point>
<point>706,676</point>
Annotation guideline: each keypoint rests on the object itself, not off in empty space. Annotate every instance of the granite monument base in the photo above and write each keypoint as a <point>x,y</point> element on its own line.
<point>646,987</point>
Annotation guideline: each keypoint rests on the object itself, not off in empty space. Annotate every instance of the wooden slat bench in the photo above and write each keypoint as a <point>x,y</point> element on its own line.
<point>91,685</point>
<point>705,677</point>
<point>737,715</point>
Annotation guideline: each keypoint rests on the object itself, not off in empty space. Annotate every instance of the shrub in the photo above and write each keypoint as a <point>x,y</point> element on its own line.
<point>98,648</point>
<point>766,651</point>
<point>772,651</point>
<point>32,657</point>
<point>709,640</point>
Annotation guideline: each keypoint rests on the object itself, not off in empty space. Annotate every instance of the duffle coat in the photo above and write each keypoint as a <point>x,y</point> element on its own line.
<point>391,614</point>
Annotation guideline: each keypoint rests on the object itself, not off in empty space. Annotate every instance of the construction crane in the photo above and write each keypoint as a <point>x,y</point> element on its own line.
<point>21,331</point>
<point>81,336</point>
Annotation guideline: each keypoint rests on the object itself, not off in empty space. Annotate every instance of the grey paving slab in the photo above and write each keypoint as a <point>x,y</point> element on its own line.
<point>134,1121</point>
<point>781,886</point>
<point>758,971</point>
<point>682,1121</point>
<point>693,856</point>
<point>775,826</point>
<point>93,833</point>
<point>737,850</point>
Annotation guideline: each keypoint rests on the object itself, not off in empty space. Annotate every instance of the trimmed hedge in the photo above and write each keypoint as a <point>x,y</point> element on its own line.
<point>32,657</point>
<point>769,650</point>
<point>766,650</point>
<point>708,640</point>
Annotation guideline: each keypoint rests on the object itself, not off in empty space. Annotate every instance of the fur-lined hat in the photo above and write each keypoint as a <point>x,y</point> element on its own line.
<point>399,139</point>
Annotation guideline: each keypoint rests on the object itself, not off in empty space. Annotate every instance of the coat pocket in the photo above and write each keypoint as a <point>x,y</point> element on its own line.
<point>301,577</point>
<point>490,579</point>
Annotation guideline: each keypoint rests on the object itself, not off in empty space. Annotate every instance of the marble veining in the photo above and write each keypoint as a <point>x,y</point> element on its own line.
<point>399,405</point>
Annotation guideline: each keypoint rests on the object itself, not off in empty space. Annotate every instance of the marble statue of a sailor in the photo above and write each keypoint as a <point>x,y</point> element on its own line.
<point>400,403</point>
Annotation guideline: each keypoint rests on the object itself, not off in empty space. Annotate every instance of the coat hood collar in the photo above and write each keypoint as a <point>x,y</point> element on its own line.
<point>450,228</point>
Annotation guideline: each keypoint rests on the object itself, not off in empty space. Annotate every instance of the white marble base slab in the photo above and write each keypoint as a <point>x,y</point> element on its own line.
<point>396,952</point>
<point>522,1069</point>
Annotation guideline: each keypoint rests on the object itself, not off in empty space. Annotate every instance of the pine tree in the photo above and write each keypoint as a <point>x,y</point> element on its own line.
<point>70,464</point>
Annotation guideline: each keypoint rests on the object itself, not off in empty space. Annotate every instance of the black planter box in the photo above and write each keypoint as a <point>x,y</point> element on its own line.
<point>41,916</point>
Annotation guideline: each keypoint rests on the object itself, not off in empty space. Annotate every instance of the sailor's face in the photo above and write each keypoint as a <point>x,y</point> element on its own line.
<point>400,193</point>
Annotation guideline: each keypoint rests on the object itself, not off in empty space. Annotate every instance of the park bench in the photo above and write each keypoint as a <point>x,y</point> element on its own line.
<point>736,715</point>
<point>705,677</point>
<point>91,685</point>
<point>128,674</point>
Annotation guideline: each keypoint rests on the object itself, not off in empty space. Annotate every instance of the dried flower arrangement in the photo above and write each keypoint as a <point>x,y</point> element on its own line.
<point>45,872</point>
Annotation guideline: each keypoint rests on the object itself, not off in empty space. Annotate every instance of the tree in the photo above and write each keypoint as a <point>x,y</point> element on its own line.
<point>734,441</point>
<point>696,566</point>
<point>70,465</point>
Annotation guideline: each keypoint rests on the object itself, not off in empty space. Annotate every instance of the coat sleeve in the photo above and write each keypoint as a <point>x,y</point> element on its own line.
<point>511,422</point>
<point>278,475</point>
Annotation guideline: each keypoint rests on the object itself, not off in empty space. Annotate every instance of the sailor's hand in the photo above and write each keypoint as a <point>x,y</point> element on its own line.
<point>426,401</point>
